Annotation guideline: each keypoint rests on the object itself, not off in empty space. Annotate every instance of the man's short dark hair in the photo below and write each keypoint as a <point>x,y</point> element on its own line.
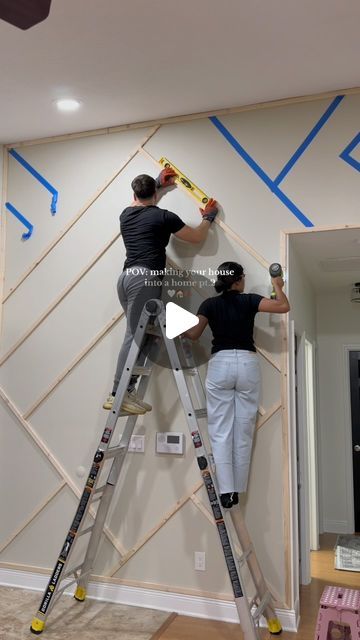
<point>143,186</point>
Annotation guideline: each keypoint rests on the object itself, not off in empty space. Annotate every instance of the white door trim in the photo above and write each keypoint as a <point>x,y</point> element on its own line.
<point>348,438</point>
<point>304,512</point>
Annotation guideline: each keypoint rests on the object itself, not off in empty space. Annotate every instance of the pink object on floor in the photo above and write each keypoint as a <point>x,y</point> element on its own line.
<point>339,615</point>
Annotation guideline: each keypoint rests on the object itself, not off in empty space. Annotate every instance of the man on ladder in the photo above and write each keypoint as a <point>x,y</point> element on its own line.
<point>146,231</point>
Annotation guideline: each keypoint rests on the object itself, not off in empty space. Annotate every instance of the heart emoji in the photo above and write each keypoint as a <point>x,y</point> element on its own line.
<point>171,292</point>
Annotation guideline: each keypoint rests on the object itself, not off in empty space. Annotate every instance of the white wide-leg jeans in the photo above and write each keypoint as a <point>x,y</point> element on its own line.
<point>232,390</point>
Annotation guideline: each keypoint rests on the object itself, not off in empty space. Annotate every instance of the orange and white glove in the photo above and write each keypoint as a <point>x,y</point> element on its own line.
<point>210,211</point>
<point>166,178</point>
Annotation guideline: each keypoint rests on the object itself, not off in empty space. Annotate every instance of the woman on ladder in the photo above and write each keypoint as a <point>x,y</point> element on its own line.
<point>233,376</point>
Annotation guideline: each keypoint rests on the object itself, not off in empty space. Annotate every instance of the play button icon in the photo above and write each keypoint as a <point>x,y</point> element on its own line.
<point>178,320</point>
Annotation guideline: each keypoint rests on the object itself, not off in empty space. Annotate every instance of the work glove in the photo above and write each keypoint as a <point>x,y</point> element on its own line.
<point>166,178</point>
<point>210,211</point>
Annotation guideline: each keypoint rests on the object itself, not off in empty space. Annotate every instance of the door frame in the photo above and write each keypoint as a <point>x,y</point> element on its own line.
<point>348,437</point>
<point>307,455</point>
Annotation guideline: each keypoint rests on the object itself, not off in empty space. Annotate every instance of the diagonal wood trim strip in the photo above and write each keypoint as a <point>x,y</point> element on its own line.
<point>32,516</point>
<point>74,363</point>
<point>268,414</point>
<point>57,300</point>
<point>178,505</point>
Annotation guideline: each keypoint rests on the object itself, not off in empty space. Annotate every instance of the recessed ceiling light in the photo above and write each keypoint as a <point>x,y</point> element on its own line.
<point>68,104</point>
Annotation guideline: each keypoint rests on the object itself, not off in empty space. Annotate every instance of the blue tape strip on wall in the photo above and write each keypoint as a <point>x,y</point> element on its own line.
<point>38,177</point>
<point>345,155</point>
<point>309,138</point>
<point>22,219</point>
<point>260,172</point>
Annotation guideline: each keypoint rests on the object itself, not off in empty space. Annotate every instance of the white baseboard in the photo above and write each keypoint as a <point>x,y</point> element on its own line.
<point>186,605</point>
<point>337,526</point>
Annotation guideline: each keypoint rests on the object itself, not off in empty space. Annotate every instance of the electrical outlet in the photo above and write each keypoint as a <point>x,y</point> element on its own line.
<point>137,444</point>
<point>199,560</point>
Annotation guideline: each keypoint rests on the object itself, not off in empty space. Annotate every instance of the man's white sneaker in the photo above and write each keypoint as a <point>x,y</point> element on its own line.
<point>129,405</point>
<point>141,403</point>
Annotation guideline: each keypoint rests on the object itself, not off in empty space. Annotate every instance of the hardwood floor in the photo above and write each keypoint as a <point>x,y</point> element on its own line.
<point>323,573</point>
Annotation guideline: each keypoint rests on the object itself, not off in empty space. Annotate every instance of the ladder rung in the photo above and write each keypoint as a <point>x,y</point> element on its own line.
<point>245,554</point>
<point>99,489</point>
<point>111,452</point>
<point>262,606</point>
<point>96,498</point>
<point>154,331</point>
<point>190,372</point>
<point>201,413</point>
<point>72,572</point>
<point>84,531</point>
<point>68,584</point>
<point>141,371</point>
<point>98,494</point>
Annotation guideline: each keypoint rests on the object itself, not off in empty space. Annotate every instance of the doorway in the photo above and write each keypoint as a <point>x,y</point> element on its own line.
<point>322,265</point>
<point>354,378</point>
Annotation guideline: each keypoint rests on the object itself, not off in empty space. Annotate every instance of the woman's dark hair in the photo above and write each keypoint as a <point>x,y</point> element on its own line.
<point>227,274</point>
<point>143,186</point>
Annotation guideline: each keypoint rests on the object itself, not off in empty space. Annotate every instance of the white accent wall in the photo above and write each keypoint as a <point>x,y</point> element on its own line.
<point>62,328</point>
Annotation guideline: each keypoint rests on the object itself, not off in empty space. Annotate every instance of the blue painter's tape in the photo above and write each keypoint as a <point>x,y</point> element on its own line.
<point>241,151</point>
<point>38,177</point>
<point>292,207</point>
<point>345,155</point>
<point>308,140</point>
<point>260,172</point>
<point>22,219</point>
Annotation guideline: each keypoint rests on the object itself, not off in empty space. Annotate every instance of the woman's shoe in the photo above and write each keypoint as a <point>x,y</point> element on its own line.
<point>226,500</point>
<point>229,499</point>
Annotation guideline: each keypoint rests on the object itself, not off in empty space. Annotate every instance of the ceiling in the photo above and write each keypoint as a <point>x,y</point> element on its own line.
<point>330,259</point>
<point>134,60</point>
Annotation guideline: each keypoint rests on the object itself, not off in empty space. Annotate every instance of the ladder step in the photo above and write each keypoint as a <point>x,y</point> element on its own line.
<point>112,452</point>
<point>244,556</point>
<point>190,372</point>
<point>141,371</point>
<point>154,331</point>
<point>201,413</point>
<point>98,494</point>
<point>262,606</point>
<point>72,572</point>
<point>68,584</point>
<point>84,531</point>
<point>100,489</point>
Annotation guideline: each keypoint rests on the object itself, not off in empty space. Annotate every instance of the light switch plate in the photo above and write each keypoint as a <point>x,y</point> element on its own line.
<point>137,444</point>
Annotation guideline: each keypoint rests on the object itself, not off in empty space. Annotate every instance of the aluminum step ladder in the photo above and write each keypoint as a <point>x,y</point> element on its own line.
<point>149,336</point>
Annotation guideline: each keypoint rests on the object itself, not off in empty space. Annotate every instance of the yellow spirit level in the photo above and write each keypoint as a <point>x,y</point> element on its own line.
<point>195,191</point>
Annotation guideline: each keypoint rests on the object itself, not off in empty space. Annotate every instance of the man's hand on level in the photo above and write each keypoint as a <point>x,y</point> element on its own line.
<point>210,211</point>
<point>166,178</point>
